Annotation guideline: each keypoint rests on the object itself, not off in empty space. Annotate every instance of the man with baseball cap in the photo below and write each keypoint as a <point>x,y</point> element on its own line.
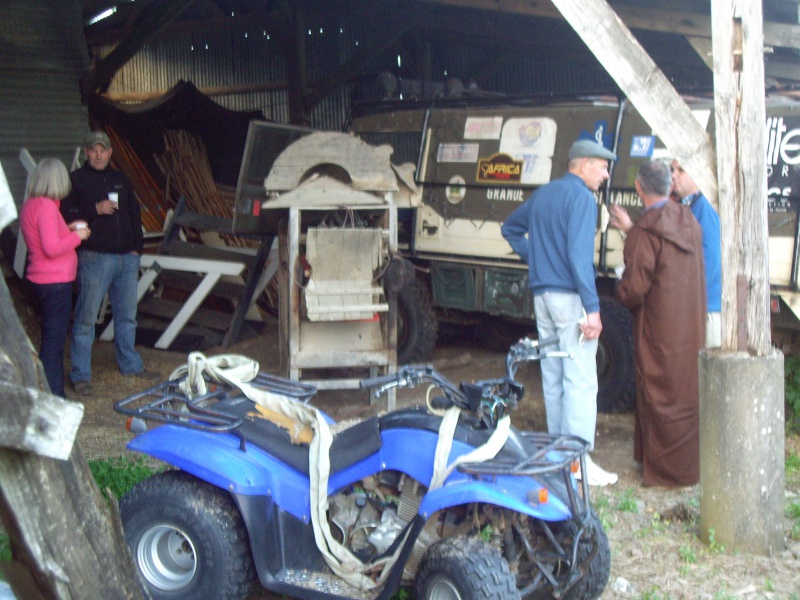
<point>553,231</point>
<point>109,264</point>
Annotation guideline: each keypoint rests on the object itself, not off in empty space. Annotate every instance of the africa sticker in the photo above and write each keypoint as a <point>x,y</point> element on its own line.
<point>456,189</point>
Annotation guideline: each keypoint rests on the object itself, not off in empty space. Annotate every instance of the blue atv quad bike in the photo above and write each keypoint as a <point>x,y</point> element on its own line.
<point>446,499</point>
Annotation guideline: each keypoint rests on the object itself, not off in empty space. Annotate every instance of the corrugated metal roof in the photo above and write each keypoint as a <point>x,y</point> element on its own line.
<point>44,55</point>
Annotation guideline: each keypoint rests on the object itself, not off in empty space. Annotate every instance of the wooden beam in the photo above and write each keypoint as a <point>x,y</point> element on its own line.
<point>153,19</point>
<point>740,116</point>
<point>646,86</point>
<point>35,421</point>
<point>682,23</point>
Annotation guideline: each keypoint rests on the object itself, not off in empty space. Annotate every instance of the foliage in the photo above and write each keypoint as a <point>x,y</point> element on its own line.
<point>791,371</point>
<point>626,502</point>
<point>5,548</point>
<point>119,474</point>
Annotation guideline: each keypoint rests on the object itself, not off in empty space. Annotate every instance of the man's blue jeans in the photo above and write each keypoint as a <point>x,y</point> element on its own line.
<point>569,385</point>
<point>100,273</point>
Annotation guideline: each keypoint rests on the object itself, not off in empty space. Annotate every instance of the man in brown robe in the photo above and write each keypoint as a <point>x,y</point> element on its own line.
<point>664,286</point>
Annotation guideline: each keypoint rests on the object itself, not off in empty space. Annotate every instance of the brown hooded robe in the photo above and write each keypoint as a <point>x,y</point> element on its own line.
<point>664,286</point>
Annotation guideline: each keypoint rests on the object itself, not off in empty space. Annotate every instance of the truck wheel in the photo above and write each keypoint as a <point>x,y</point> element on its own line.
<point>464,568</point>
<point>416,324</point>
<point>615,362</point>
<point>597,571</point>
<point>187,538</point>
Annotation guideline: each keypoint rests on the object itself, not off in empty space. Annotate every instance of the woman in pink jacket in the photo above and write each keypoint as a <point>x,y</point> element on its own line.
<point>52,261</point>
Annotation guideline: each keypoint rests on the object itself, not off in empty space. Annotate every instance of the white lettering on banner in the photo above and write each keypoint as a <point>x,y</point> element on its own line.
<point>782,145</point>
<point>623,198</point>
<point>504,194</point>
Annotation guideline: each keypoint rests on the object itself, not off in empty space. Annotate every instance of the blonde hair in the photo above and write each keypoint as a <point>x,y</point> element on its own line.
<point>49,179</point>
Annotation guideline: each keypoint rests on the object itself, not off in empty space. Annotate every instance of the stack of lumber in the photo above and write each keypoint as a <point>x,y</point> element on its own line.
<point>150,194</point>
<point>187,169</point>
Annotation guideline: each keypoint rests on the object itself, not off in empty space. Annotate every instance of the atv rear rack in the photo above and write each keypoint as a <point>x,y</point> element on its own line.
<point>167,403</point>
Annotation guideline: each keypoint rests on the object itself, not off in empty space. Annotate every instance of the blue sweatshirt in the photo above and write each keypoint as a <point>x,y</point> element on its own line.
<point>553,231</point>
<point>712,250</point>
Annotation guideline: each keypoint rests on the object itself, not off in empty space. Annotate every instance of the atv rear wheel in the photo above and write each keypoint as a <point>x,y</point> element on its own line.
<point>464,568</point>
<point>187,538</point>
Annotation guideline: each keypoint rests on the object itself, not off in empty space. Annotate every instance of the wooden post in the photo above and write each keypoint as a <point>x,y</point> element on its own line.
<point>738,44</point>
<point>646,86</point>
<point>66,542</point>
<point>742,481</point>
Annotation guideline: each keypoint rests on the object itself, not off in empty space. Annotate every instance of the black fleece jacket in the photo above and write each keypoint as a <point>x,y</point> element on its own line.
<point>118,233</point>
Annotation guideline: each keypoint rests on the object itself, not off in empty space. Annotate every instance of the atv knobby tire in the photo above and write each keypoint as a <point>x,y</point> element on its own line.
<point>464,568</point>
<point>416,324</point>
<point>615,360</point>
<point>187,538</point>
<point>597,571</point>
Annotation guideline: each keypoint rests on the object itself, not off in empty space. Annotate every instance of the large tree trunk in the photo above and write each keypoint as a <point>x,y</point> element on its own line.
<point>66,541</point>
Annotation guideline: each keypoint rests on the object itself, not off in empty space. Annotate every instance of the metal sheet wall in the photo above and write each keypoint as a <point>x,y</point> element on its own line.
<point>44,55</point>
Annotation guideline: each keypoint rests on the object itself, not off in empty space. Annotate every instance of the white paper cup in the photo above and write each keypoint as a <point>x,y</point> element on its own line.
<point>114,197</point>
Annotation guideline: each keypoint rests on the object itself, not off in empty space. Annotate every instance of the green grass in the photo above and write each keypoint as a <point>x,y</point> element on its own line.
<point>791,392</point>
<point>119,474</point>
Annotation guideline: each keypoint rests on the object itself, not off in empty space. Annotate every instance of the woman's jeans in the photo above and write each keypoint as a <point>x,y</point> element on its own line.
<point>117,275</point>
<point>55,305</point>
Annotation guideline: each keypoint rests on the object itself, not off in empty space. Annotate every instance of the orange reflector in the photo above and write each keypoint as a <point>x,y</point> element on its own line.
<point>128,424</point>
<point>575,467</point>
<point>543,496</point>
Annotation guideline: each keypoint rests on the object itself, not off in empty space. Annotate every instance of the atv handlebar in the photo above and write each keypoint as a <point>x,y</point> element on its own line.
<point>505,391</point>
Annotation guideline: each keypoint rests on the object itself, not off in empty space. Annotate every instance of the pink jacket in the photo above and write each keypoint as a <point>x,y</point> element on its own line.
<point>51,244</point>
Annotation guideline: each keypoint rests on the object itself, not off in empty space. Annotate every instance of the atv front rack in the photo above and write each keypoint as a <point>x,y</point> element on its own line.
<point>167,403</point>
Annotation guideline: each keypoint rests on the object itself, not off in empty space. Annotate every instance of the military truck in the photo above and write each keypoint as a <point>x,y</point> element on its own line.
<point>476,164</point>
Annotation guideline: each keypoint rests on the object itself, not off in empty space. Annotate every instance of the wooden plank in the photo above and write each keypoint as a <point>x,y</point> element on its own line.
<point>193,265</point>
<point>190,306</point>
<point>35,421</point>
<point>647,87</point>
<point>740,117</point>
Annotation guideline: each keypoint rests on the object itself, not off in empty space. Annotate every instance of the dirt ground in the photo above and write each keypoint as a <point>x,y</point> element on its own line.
<point>656,552</point>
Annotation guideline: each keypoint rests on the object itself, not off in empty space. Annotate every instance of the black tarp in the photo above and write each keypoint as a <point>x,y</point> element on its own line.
<point>222,131</point>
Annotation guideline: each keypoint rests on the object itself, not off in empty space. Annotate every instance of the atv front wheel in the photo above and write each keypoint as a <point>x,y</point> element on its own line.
<point>464,568</point>
<point>593,558</point>
<point>187,538</point>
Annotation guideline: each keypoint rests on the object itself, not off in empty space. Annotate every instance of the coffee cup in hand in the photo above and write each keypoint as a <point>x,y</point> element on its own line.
<point>114,197</point>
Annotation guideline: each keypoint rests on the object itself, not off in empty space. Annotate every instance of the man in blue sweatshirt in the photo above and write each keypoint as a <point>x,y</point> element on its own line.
<point>686,190</point>
<point>553,231</point>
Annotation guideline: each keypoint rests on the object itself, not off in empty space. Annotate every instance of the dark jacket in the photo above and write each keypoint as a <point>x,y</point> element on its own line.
<point>118,233</point>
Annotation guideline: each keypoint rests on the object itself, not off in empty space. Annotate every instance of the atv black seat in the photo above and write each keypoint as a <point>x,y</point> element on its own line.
<point>348,447</point>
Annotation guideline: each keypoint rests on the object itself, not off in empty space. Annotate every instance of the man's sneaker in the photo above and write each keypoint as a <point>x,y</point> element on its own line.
<point>597,475</point>
<point>82,388</point>
<point>145,374</point>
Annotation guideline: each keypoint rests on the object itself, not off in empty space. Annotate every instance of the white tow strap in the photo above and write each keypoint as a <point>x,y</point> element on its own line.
<point>237,370</point>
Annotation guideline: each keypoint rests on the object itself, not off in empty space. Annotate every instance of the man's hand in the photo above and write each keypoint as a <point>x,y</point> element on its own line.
<point>592,327</point>
<point>620,218</point>
<point>106,207</point>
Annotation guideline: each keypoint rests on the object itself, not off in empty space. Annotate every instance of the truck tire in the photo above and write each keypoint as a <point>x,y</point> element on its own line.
<point>416,324</point>
<point>615,361</point>
<point>187,538</point>
<point>464,568</point>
